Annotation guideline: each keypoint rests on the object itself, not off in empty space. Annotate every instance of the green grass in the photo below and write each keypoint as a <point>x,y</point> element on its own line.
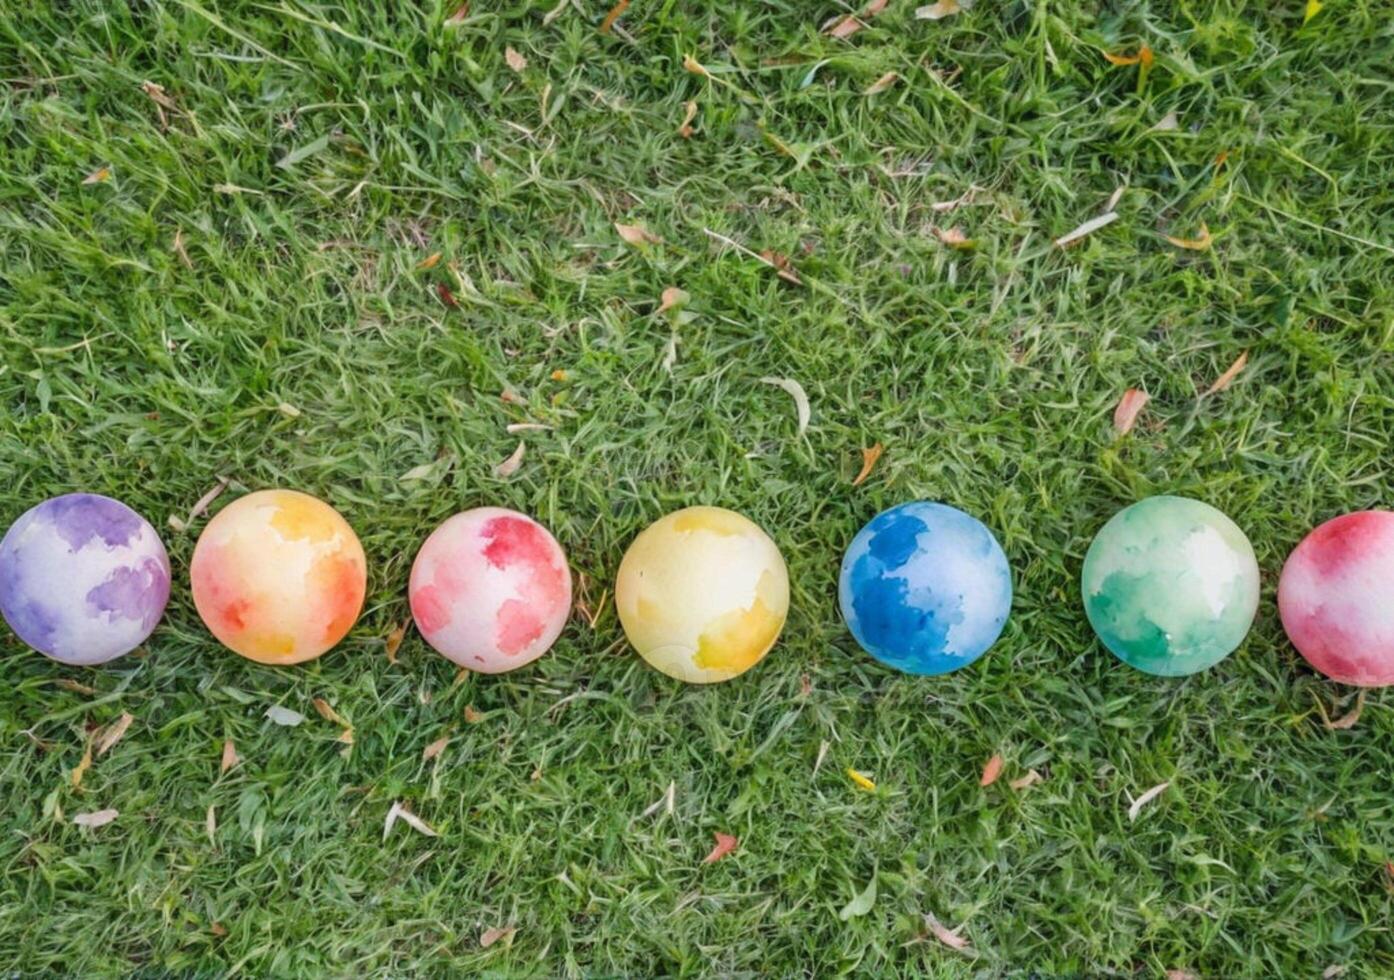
<point>302,346</point>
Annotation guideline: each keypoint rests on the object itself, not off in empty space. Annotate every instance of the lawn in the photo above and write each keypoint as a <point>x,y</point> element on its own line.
<point>343,247</point>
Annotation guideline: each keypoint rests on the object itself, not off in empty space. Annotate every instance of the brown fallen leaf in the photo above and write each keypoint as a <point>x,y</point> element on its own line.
<point>1352,716</point>
<point>609,22</point>
<point>949,937</point>
<point>846,26</point>
<point>399,812</point>
<point>230,758</point>
<point>672,298</point>
<point>882,83</point>
<point>99,176</point>
<point>691,64</point>
<point>805,685</point>
<point>1143,57</point>
<point>1031,778</point>
<point>1198,244</point>
<point>156,93</point>
<point>637,235</point>
<point>393,641</point>
<point>689,113</point>
<point>218,929</point>
<point>515,60</point>
<point>472,717</point>
<point>68,684</point>
<point>941,9</point>
<point>435,748</point>
<point>869,458</point>
<point>1125,415</point>
<point>490,936</point>
<point>429,262</point>
<point>83,765</point>
<point>446,296</point>
<point>510,465</point>
<point>112,734</point>
<point>1222,382</point>
<point>955,238</point>
<point>99,819</point>
<point>725,844</point>
<point>781,266</point>
<point>991,771</point>
<point>327,712</point>
<point>458,17</point>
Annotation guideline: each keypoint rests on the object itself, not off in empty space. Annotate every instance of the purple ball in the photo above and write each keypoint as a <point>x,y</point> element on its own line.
<point>83,578</point>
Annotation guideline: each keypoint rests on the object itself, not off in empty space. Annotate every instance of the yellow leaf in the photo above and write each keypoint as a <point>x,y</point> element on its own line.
<point>862,781</point>
<point>869,458</point>
<point>637,235</point>
<point>696,67</point>
<point>394,641</point>
<point>84,765</point>
<point>558,375</point>
<point>1222,382</point>
<point>609,22</point>
<point>429,262</point>
<point>1143,58</point>
<point>1198,244</point>
<point>99,176</point>
<point>515,60</point>
<point>1313,8</point>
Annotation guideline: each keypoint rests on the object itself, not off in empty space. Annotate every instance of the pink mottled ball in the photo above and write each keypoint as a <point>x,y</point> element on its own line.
<point>1336,598</point>
<point>490,589</point>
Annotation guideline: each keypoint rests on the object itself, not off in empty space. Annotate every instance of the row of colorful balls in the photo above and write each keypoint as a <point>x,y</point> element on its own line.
<point>1170,585</point>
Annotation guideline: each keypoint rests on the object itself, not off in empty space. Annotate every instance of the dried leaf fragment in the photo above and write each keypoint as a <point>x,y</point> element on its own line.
<point>949,937</point>
<point>458,17</point>
<point>399,812</point>
<point>672,298</point>
<point>210,822</point>
<point>941,9</point>
<point>846,26</point>
<point>991,771</point>
<point>515,60</point>
<point>472,717</point>
<point>493,934</point>
<point>637,235</point>
<point>429,262</point>
<point>1352,716</point>
<point>869,458</point>
<point>1125,415</point>
<point>1031,778</point>
<point>691,64</point>
<point>203,503</point>
<point>99,819</point>
<point>689,113</point>
<point>780,264</point>
<point>1167,124</point>
<point>68,684</point>
<point>1146,798</point>
<point>1198,244</point>
<point>281,715</point>
<point>230,758</point>
<point>725,844</point>
<point>446,296</point>
<point>861,780</point>
<point>1223,381</point>
<point>796,391</point>
<point>113,733</point>
<point>99,176</point>
<point>616,11</point>
<point>435,748</point>
<point>882,83</point>
<point>393,642</point>
<point>83,765</point>
<point>1088,228</point>
<point>177,247</point>
<point>1143,57</point>
<point>955,238</point>
<point>327,712</point>
<point>510,465</point>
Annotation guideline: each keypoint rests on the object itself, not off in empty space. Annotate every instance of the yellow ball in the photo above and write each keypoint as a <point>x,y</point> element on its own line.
<point>702,594</point>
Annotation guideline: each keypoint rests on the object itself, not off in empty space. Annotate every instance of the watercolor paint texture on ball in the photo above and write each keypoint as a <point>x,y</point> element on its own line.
<point>490,589</point>
<point>702,594</point>
<point>1171,585</point>
<point>83,578</point>
<point>925,588</point>
<point>278,576</point>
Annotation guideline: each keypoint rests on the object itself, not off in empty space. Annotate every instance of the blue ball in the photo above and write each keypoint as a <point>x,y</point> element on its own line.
<point>925,588</point>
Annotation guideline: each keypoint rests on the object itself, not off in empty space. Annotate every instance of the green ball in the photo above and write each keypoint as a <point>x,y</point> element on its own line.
<point>1170,585</point>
